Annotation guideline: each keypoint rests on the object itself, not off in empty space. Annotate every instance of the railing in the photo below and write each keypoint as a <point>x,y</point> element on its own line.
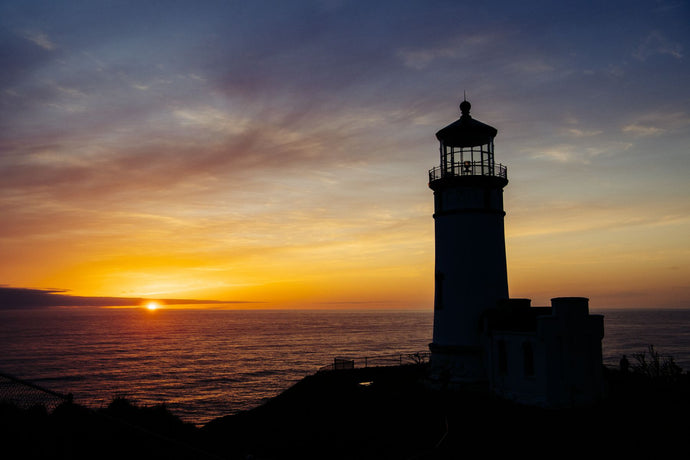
<point>398,359</point>
<point>25,394</point>
<point>468,168</point>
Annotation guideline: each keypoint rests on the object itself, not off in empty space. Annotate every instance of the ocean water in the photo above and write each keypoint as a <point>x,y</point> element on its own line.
<point>208,363</point>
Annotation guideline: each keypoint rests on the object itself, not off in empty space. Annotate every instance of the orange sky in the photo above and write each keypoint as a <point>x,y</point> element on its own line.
<point>184,154</point>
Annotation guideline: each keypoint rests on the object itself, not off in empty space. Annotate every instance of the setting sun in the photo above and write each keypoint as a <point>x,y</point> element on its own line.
<point>151,306</point>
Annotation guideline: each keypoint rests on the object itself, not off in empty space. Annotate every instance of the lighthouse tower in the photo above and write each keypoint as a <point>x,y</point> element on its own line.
<point>470,268</point>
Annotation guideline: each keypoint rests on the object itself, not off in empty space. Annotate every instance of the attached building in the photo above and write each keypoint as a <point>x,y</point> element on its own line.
<point>545,356</point>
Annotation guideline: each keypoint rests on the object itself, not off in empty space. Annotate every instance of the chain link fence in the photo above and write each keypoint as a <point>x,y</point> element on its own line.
<point>26,395</point>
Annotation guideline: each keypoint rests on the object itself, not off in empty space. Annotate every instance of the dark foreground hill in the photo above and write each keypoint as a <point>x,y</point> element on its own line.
<point>394,416</point>
<point>375,413</point>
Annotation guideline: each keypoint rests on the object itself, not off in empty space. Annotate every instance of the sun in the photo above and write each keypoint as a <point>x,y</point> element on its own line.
<point>152,305</point>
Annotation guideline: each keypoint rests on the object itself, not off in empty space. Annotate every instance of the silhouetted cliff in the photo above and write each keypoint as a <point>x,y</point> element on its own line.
<point>375,413</point>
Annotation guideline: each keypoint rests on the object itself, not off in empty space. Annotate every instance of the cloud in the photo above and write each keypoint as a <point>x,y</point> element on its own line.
<point>530,66</point>
<point>579,153</point>
<point>459,48</point>
<point>212,119</point>
<point>656,44</point>
<point>40,39</point>
<point>19,59</point>
<point>657,123</point>
<point>578,133</point>
<point>421,58</point>
<point>561,153</point>
<point>558,217</point>
<point>18,298</point>
<point>642,130</point>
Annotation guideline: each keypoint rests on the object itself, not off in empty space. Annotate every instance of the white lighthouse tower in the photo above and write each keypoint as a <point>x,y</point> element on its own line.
<point>470,272</point>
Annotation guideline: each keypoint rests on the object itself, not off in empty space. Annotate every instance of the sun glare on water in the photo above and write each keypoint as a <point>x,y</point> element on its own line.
<point>151,306</point>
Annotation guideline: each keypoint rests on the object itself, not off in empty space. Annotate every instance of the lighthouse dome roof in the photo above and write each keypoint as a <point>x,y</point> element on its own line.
<point>466,131</point>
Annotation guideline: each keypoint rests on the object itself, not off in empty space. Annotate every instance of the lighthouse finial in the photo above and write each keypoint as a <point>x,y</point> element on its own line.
<point>465,105</point>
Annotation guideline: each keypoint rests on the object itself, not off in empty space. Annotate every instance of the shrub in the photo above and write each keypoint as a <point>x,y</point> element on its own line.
<point>655,365</point>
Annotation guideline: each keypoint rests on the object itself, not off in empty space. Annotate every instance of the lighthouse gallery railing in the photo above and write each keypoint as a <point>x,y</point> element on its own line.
<point>468,168</point>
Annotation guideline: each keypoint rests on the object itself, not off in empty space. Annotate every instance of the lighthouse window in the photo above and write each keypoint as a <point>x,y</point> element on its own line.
<point>438,302</point>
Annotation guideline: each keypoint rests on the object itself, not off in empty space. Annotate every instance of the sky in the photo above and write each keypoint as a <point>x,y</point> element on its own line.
<point>275,154</point>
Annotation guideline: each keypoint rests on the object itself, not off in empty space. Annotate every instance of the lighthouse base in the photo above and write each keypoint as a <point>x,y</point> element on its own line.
<point>451,365</point>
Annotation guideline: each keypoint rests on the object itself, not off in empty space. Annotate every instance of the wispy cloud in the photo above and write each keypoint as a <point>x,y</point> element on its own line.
<point>643,130</point>
<point>657,123</point>
<point>530,66</point>
<point>459,48</point>
<point>40,39</point>
<point>657,44</point>
<point>579,133</point>
<point>558,217</point>
<point>580,153</point>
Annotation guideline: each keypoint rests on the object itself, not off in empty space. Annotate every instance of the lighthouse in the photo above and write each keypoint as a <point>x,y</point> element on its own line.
<point>546,356</point>
<point>470,255</point>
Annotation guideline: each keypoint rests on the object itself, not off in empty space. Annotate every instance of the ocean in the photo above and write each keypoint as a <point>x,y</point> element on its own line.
<point>204,364</point>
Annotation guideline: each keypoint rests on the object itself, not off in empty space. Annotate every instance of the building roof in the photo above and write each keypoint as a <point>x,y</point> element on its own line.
<point>466,131</point>
<point>516,317</point>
